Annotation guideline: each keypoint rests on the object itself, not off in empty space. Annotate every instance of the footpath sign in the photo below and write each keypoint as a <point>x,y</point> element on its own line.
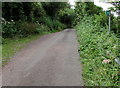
<point>108,13</point>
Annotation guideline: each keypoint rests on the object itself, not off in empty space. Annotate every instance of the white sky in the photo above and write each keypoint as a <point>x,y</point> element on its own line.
<point>104,5</point>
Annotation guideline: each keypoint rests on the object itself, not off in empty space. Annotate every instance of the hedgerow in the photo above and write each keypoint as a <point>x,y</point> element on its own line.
<point>98,50</point>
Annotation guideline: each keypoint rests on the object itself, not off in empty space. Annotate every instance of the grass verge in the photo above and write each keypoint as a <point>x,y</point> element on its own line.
<point>96,47</point>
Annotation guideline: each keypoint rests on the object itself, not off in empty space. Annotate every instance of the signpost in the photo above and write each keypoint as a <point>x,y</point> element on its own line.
<point>108,13</point>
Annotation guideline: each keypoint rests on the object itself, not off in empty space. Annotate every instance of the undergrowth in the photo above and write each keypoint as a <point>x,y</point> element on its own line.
<point>96,45</point>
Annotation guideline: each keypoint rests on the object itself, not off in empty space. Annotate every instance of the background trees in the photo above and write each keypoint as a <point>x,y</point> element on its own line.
<point>26,18</point>
<point>54,15</point>
<point>52,8</point>
<point>83,9</point>
<point>22,10</point>
<point>86,9</point>
<point>116,20</point>
<point>66,16</point>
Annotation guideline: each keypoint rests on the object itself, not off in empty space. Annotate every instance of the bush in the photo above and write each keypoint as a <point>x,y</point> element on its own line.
<point>97,45</point>
<point>115,25</point>
<point>22,29</point>
<point>47,21</point>
<point>101,19</point>
<point>66,16</point>
<point>52,24</point>
<point>42,28</point>
<point>9,29</point>
<point>57,25</point>
<point>27,28</point>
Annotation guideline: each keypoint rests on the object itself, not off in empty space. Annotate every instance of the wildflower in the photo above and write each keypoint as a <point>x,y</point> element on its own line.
<point>106,61</point>
<point>8,22</point>
<point>2,19</point>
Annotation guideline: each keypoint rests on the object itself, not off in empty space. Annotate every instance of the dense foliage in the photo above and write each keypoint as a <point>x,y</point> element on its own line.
<point>98,49</point>
<point>97,45</point>
<point>21,19</point>
<point>66,16</point>
<point>89,9</point>
<point>86,9</point>
<point>116,21</point>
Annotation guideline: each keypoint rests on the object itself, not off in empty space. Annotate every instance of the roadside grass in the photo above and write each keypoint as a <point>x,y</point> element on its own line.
<point>96,45</point>
<point>11,46</point>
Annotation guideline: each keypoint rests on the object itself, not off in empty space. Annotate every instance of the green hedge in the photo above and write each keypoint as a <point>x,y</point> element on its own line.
<point>95,46</point>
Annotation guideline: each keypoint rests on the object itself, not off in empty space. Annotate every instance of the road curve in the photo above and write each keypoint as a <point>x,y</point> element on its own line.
<point>52,60</point>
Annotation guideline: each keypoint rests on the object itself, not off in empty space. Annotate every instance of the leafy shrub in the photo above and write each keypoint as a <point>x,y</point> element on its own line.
<point>97,45</point>
<point>22,29</point>
<point>27,28</point>
<point>57,25</point>
<point>9,29</point>
<point>52,24</point>
<point>47,21</point>
<point>42,28</point>
<point>66,16</point>
<point>101,19</point>
<point>116,25</point>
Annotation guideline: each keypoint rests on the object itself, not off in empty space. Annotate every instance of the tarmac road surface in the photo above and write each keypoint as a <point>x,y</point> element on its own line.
<point>52,60</point>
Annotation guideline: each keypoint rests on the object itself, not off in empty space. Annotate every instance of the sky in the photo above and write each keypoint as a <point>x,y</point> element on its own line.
<point>104,5</point>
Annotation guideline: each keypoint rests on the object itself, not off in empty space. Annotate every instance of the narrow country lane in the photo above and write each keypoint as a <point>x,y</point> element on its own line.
<point>52,60</point>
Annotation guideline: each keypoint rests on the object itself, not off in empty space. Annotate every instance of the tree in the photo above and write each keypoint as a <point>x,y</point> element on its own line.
<point>116,21</point>
<point>12,11</point>
<point>22,10</point>
<point>117,7</point>
<point>52,8</point>
<point>86,9</point>
<point>66,16</point>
